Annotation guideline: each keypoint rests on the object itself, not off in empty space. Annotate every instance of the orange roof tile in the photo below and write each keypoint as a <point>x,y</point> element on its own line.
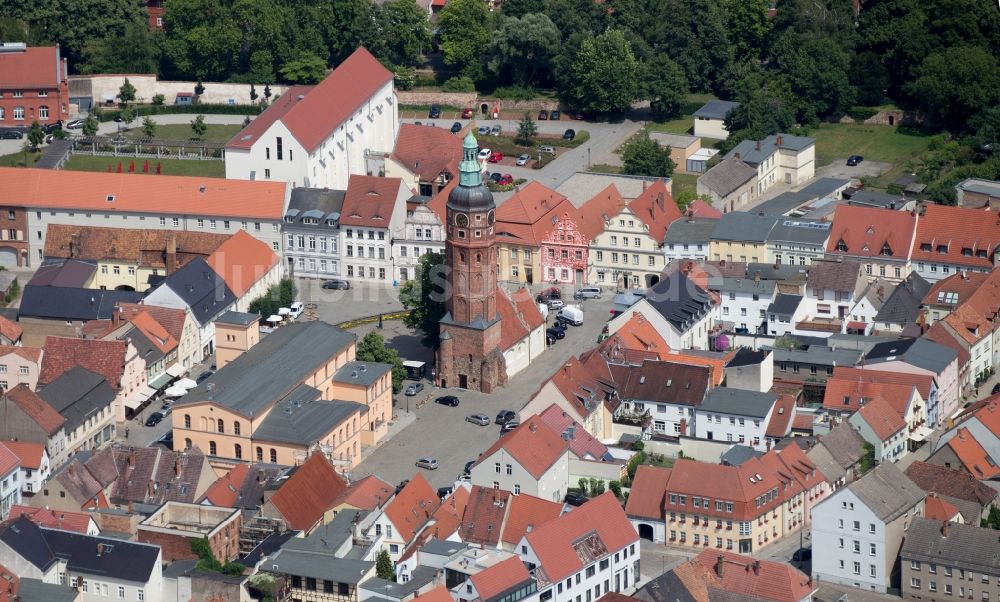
<point>32,354</point>
<point>866,230</point>
<point>527,217</point>
<point>10,330</point>
<point>171,319</point>
<point>106,358</point>
<point>637,334</point>
<point>144,247</point>
<point>603,206</point>
<point>8,460</point>
<point>78,522</point>
<point>154,331</point>
<point>412,507</point>
<point>989,415</point>
<point>534,445</point>
<point>138,193</point>
<point>224,492</point>
<point>29,454</point>
<point>573,380</point>
<point>704,210</point>
<point>438,594</point>
<point>369,201</point>
<point>525,514</point>
<point>954,289</point>
<point>656,208</point>
<point>648,492</point>
<point>717,481</point>
<point>717,364</point>
<point>500,577</point>
<point>367,494</point>
<point>781,417</point>
<point>855,384</point>
<point>309,493</point>
<point>242,261</point>
<point>757,580</point>
<point>883,419</point>
<point>427,151</point>
<point>245,138</point>
<point>601,518</point>
<point>974,458</point>
<point>803,422</point>
<point>519,315</point>
<point>36,67</point>
<point>936,508</point>
<point>448,516</point>
<point>47,418</point>
<point>968,237</point>
<point>9,593</point>
<point>485,513</point>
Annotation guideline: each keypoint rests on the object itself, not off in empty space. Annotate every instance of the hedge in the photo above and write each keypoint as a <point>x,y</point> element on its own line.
<point>205,109</point>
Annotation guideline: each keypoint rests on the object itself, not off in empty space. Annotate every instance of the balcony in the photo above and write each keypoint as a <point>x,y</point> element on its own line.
<point>820,325</point>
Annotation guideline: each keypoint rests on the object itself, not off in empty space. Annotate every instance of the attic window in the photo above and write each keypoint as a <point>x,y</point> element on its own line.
<point>841,245</point>
<point>981,253</point>
<point>670,382</point>
<point>966,251</point>
<point>942,249</point>
<point>886,250</point>
<point>950,297</point>
<point>110,198</point>
<point>925,247</point>
<point>870,230</point>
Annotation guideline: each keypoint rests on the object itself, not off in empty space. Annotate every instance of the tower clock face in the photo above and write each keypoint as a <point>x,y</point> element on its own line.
<point>461,220</point>
<point>491,217</point>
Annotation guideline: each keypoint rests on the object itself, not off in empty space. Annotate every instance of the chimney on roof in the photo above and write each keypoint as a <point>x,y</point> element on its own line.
<point>177,468</point>
<point>532,426</point>
<point>644,182</point>
<point>659,200</point>
<point>131,459</point>
<point>690,215</point>
<point>100,549</point>
<point>756,277</point>
<point>758,145</point>
<point>736,156</point>
<point>756,567</point>
<point>171,254</point>
<point>74,245</point>
<point>779,140</point>
<point>719,561</point>
<point>944,529</point>
<point>150,488</point>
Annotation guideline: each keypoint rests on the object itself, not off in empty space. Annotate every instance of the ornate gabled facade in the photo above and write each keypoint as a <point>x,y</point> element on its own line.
<point>564,252</point>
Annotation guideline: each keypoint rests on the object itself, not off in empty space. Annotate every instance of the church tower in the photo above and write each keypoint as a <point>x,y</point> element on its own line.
<point>470,356</point>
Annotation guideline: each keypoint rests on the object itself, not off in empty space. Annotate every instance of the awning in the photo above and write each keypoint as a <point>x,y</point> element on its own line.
<point>186,384</point>
<point>176,369</point>
<point>921,434</point>
<point>160,381</point>
<point>175,391</point>
<point>856,326</point>
<point>139,397</point>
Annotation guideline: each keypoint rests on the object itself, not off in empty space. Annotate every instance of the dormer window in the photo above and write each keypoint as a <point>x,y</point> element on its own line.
<point>886,250</point>
<point>289,219</point>
<point>942,249</point>
<point>981,253</point>
<point>841,245</point>
<point>966,251</point>
<point>926,247</point>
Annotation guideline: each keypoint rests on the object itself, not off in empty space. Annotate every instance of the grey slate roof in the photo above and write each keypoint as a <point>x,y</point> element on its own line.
<point>716,109</point>
<point>441,547</point>
<point>744,227</point>
<point>824,187</point>
<point>965,546</point>
<point>840,276</point>
<point>305,424</point>
<point>784,203</point>
<point>819,355</point>
<point>738,454</point>
<point>780,271</point>
<point>63,272</point>
<point>363,373</point>
<point>755,152</point>
<point>872,198</point>
<point>66,303</point>
<point>36,590</point>
<point>683,231</point>
<point>887,491</point>
<point>903,304</point>
<point>726,176</point>
<point>237,318</point>
<point>800,231</point>
<point>784,304</point>
<point>747,357</point>
<point>826,463</point>
<point>271,368</point>
<point>922,353</point>
<point>319,203</point>
<point>316,555</point>
<point>741,402</point>
<point>146,349</point>
<point>679,300</point>
<point>666,588</point>
<point>204,291</point>
<point>745,285</point>
<point>77,395</point>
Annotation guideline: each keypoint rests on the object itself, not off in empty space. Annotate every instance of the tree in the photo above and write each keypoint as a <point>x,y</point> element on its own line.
<point>306,69</point>
<point>372,348</point>
<point>253,93</point>
<point>158,99</point>
<point>748,26</point>
<point>817,71</point>
<point>383,566</point>
<point>526,130</point>
<point>425,296</point>
<point>665,85</point>
<point>582,483</point>
<point>267,92</point>
<point>199,88</point>
<point>957,83</point>
<point>198,126</point>
<point>278,295</point>
<point>766,110</point>
<point>465,28</point>
<point>405,78</point>
<point>606,75</point>
<point>643,156</point>
<point>128,115</point>
<point>404,30</point>
<point>992,520</point>
<point>867,461</point>
<point>126,92</point>
<point>520,8</point>
<point>787,341</point>
<point>90,125</point>
<point>523,49</point>
<point>687,196</point>
<point>148,127</point>
<point>615,487</point>
<point>36,135</point>
<point>137,50</point>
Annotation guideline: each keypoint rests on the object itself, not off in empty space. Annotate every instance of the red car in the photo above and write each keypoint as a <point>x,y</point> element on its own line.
<point>506,179</point>
<point>496,157</point>
<point>467,113</point>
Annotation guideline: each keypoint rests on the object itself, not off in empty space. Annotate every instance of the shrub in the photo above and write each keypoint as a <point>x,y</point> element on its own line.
<point>158,99</point>
<point>208,109</point>
<point>459,84</point>
<point>514,93</point>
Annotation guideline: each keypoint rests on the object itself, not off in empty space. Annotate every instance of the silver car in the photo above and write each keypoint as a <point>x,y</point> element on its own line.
<point>428,463</point>
<point>480,419</point>
<point>548,150</point>
<point>556,304</point>
<point>495,130</point>
<point>523,160</point>
<point>413,389</point>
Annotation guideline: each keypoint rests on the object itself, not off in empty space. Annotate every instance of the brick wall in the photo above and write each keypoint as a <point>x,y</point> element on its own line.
<point>175,547</point>
<point>119,523</point>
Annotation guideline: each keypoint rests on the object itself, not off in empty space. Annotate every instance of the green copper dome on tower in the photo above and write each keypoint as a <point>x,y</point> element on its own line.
<point>470,194</point>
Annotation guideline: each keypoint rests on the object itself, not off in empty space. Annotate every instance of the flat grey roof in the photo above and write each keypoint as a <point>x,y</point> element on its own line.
<point>697,231</point>
<point>800,231</point>
<point>304,421</point>
<point>740,402</point>
<point>825,187</point>
<point>364,373</point>
<point>989,187</point>
<point>319,566</point>
<point>736,285</point>
<point>716,109</point>
<point>674,140</point>
<point>740,226</point>
<point>818,355</point>
<point>784,203</point>
<point>237,318</point>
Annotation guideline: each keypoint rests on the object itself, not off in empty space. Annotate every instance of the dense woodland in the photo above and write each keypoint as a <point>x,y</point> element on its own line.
<point>812,60</point>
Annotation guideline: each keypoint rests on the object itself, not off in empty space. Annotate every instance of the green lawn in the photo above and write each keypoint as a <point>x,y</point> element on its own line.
<point>17,159</point>
<point>684,124</point>
<point>172,167</point>
<point>836,141</point>
<point>181,131</point>
<point>684,181</point>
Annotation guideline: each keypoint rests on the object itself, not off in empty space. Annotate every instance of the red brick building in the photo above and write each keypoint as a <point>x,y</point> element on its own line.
<point>155,9</point>
<point>564,252</point>
<point>33,85</point>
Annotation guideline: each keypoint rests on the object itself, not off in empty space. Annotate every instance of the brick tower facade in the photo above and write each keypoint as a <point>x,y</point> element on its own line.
<point>470,356</point>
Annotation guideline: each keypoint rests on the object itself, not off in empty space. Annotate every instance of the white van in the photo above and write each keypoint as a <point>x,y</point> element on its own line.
<point>587,292</point>
<point>571,314</point>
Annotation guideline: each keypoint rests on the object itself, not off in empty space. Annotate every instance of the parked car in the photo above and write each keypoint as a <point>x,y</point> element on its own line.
<point>296,310</point>
<point>484,130</point>
<point>154,419</point>
<point>575,499</point>
<point>996,389</point>
<point>509,426</point>
<point>551,293</point>
<point>203,376</point>
<point>548,150</point>
<point>11,135</point>
<point>496,177</point>
<point>467,113</point>
<point>571,314</point>
<point>506,179</point>
<point>48,128</point>
<point>337,284</point>
<point>119,119</point>
<point>166,405</point>
<point>523,160</point>
<point>447,400</point>
<point>505,416</point>
<point>556,333</point>
<point>569,134</point>
<point>802,555</point>
<point>495,130</point>
<point>495,157</point>
<point>413,389</point>
<point>578,116</point>
<point>555,115</point>
<point>456,127</point>
<point>480,419</point>
<point>543,115</point>
<point>587,292</point>
<point>556,304</point>
<point>428,463</point>
<point>75,124</point>
<point>855,160</point>
<point>485,153</point>
<point>435,112</point>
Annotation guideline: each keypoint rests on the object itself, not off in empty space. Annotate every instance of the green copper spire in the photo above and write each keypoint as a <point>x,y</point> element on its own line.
<point>470,172</point>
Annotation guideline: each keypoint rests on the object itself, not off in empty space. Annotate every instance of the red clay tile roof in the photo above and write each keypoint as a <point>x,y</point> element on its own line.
<point>8,460</point>
<point>603,206</point>
<point>485,514</point>
<point>941,335</point>
<point>9,593</point>
<point>171,319</point>
<point>773,581</point>
<point>583,445</point>
<point>573,379</point>
<point>989,415</point>
<point>10,330</point>
<point>369,201</point>
<point>36,67</point>
<point>804,470</point>
<point>145,247</point>
<point>106,358</point>
<point>78,522</point>
<point>974,458</point>
<point>438,594</point>
<point>154,331</point>
<point>128,473</point>
<point>448,516</point>
<point>951,482</point>
<point>882,418</point>
<point>139,193</point>
<point>29,454</point>
<point>656,208</point>
<point>731,483</point>
<point>245,138</point>
<point>936,508</point>
<point>519,315</point>
<point>224,492</point>
<point>44,415</point>
<point>600,522</point>
<point>968,237</point>
<point>412,507</point>
<point>427,151</point>
<point>648,492</point>
<point>367,494</point>
<point>803,422</point>
<point>309,493</point>
<point>438,203</point>
<point>638,334</point>
<point>242,261</point>
<point>954,289</point>
<point>865,230</point>
<point>80,485</point>
<point>869,383</point>
<point>32,354</point>
<point>703,210</point>
<point>533,445</point>
<point>500,577</point>
<point>327,105</point>
<point>526,513</point>
<point>781,417</point>
<point>527,217</point>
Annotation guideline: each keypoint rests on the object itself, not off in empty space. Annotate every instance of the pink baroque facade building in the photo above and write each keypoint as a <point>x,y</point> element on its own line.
<point>564,252</point>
